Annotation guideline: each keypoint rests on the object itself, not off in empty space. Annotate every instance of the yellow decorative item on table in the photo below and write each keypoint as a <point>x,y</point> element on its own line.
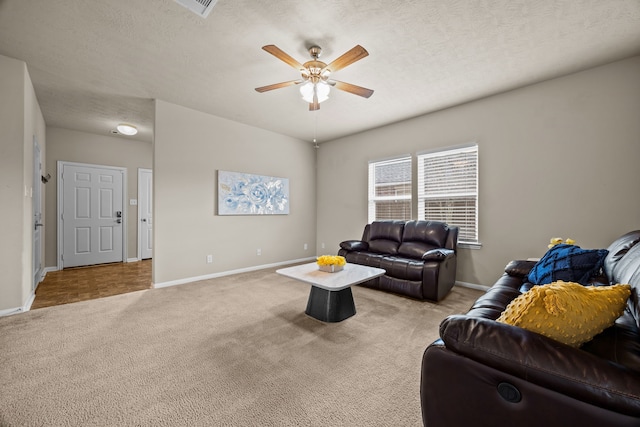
<point>331,263</point>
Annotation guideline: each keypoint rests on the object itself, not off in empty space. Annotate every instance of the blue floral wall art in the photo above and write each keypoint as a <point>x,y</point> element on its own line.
<point>248,194</point>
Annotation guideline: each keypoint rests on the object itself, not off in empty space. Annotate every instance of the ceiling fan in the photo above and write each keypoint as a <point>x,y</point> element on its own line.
<point>315,74</point>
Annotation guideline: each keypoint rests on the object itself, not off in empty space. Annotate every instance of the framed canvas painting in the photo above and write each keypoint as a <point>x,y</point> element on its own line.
<point>249,194</point>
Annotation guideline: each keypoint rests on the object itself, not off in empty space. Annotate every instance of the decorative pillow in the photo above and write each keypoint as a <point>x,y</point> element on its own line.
<point>568,263</point>
<point>567,312</point>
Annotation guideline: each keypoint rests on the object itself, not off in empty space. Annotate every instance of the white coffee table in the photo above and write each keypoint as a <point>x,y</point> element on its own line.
<point>330,298</point>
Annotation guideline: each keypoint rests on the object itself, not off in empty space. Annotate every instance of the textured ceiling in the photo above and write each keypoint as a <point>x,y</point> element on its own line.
<point>97,63</point>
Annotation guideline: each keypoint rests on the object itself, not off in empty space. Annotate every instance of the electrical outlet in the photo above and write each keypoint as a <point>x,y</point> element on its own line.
<point>258,251</point>
<point>209,259</point>
<point>306,246</point>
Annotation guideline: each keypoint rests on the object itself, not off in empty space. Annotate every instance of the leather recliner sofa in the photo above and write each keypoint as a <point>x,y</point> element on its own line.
<point>419,257</point>
<point>486,373</point>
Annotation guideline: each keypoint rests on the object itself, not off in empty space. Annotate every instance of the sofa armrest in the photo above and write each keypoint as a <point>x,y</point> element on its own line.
<point>519,268</point>
<point>543,361</point>
<point>439,254</point>
<point>354,245</point>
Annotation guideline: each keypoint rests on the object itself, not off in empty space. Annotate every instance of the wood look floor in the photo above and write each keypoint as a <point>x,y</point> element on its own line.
<point>85,283</point>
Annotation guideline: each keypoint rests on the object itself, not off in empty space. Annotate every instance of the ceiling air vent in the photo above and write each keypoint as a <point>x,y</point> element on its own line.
<point>199,7</point>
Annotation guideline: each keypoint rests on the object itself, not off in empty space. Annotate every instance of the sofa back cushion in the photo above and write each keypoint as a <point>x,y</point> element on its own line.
<point>628,271</point>
<point>421,236</point>
<point>385,236</point>
<point>618,249</point>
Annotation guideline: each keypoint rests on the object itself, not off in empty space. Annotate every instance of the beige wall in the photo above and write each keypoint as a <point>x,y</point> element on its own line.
<point>559,158</point>
<point>189,148</point>
<point>105,150</point>
<point>20,120</point>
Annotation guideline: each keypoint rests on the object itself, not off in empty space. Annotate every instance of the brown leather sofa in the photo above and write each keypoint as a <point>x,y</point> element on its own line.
<point>419,257</point>
<point>485,373</point>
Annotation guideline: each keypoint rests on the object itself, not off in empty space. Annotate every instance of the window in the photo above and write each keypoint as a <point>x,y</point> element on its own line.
<point>390,189</point>
<point>448,189</point>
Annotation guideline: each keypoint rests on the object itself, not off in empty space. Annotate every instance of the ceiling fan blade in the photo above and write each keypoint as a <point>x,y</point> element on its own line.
<point>281,55</point>
<point>348,87</point>
<point>277,85</point>
<point>348,58</point>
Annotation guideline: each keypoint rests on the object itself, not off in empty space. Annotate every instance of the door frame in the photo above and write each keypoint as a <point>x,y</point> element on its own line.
<point>60,233</point>
<point>140,171</point>
<point>38,233</point>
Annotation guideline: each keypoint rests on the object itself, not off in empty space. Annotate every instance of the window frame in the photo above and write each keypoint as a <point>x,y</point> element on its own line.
<point>372,198</point>
<point>469,234</point>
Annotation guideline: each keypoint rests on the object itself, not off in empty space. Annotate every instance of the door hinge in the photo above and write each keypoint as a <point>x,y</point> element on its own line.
<point>61,257</point>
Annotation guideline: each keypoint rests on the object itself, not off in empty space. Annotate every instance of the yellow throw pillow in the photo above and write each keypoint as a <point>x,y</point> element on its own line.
<point>567,312</point>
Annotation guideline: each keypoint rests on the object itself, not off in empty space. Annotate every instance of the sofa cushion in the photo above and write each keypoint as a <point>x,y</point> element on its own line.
<point>386,230</point>
<point>567,312</point>
<point>419,237</point>
<point>414,249</point>
<point>620,343</point>
<point>618,249</point>
<point>383,246</point>
<point>432,233</point>
<point>402,268</point>
<point>568,263</point>
<point>628,271</point>
<point>385,236</point>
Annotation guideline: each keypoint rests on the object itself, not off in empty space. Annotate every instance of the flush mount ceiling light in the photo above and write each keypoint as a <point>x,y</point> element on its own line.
<point>315,75</point>
<point>127,129</point>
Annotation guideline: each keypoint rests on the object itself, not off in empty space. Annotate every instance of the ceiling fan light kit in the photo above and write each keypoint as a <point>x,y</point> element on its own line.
<point>320,90</point>
<point>315,80</point>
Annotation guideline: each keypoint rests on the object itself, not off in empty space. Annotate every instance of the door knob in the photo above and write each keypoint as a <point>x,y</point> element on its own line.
<point>119,220</point>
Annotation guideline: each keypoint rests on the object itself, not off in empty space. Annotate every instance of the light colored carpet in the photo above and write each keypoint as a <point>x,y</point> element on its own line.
<point>232,351</point>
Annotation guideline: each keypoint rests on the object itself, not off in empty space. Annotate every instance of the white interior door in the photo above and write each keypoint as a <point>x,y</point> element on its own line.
<point>92,215</point>
<point>37,215</point>
<point>145,213</point>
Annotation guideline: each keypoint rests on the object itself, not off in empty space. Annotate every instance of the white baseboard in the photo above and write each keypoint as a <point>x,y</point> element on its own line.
<point>472,286</point>
<point>10,311</point>
<point>48,270</point>
<point>27,306</point>
<point>16,310</point>
<point>229,273</point>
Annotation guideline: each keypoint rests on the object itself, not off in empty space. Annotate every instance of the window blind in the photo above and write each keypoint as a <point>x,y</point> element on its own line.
<point>448,189</point>
<point>390,189</point>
